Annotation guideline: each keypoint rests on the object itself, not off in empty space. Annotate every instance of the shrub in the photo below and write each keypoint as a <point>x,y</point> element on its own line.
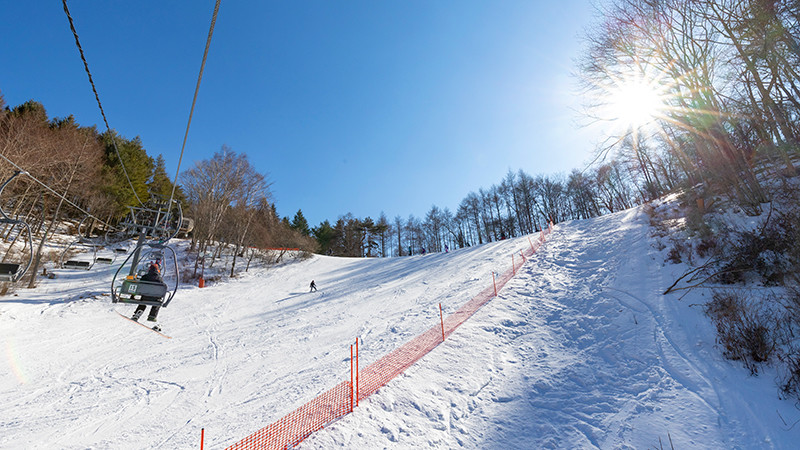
<point>674,255</point>
<point>790,377</point>
<point>706,247</point>
<point>743,328</point>
<point>678,250</point>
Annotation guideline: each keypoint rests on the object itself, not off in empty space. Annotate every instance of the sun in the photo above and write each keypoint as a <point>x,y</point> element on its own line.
<point>635,102</point>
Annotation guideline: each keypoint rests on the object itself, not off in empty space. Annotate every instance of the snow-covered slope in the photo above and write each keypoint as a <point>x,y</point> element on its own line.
<point>579,350</point>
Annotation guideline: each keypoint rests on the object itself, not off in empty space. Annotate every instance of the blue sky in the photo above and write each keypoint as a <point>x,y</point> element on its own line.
<point>347,106</point>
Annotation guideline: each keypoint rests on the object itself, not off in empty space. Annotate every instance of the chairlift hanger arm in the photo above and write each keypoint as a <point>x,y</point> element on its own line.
<point>5,216</point>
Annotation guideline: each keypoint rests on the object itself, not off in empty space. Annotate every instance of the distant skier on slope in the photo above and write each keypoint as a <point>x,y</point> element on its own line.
<point>153,275</point>
<point>313,286</point>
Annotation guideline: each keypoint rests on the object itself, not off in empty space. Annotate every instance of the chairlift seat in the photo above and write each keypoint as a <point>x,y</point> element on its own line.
<point>142,292</point>
<point>103,260</point>
<point>8,271</point>
<point>121,250</point>
<point>77,265</point>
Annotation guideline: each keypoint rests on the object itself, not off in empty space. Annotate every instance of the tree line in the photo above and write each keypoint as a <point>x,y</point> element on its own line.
<point>520,204</point>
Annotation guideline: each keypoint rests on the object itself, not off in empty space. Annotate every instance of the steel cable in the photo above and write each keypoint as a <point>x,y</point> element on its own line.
<point>25,172</point>
<point>194,99</point>
<point>100,105</point>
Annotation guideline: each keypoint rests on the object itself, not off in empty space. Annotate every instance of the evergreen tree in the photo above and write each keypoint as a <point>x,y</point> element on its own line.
<point>382,231</point>
<point>300,224</point>
<point>160,183</point>
<point>325,235</point>
<point>138,166</point>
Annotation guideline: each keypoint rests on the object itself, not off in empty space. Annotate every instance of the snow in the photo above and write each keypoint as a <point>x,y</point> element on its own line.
<point>579,350</point>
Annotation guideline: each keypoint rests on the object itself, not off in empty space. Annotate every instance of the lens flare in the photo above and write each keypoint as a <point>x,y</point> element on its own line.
<point>13,361</point>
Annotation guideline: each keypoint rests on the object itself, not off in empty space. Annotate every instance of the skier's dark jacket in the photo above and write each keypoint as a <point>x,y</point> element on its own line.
<point>153,276</point>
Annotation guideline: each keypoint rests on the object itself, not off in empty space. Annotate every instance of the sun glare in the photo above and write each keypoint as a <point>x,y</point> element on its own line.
<point>635,103</point>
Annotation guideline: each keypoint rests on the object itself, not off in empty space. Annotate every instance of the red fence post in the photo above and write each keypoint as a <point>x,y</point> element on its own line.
<point>513,266</point>
<point>495,285</point>
<point>351,378</point>
<point>202,437</point>
<point>529,242</point>
<point>356,371</point>
<point>441,318</point>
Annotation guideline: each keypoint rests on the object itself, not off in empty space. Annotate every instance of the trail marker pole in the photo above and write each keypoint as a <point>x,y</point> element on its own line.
<point>351,378</point>
<point>495,285</point>
<point>357,372</point>
<point>441,319</point>
<point>202,437</point>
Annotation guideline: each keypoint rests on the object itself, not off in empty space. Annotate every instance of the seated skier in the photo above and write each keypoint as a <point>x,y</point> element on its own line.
<point>153,275</point>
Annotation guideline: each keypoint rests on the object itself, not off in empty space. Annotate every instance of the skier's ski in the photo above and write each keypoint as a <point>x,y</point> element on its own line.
<point>142,325</point>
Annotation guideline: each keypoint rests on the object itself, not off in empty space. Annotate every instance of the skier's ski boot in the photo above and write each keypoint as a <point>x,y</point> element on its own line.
<point>136,315</point>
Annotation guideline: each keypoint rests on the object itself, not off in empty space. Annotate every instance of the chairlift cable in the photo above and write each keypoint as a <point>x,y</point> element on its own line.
<point>97,97</point>
<point>61,196</point>
<point>194,99</point>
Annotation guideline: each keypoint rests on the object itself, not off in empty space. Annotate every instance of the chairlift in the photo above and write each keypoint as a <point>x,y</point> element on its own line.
<point>82,242</point>
<point>132,289</point>
<point>187,226</point>
<point>105,260</point>
<point>160,224</point>
<point>108,258</point>
<point>13,271</point>
<point>157,220</point>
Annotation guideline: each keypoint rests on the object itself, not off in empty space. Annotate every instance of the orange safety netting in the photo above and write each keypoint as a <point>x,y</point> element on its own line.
<point>291,429</point>
<point>300,423</point>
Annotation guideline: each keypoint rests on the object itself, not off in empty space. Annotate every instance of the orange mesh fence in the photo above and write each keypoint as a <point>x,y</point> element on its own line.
<point>335,403</point>
<point>300,423</point>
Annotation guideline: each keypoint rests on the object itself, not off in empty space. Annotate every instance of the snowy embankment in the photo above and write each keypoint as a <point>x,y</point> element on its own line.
<point>580,350</point>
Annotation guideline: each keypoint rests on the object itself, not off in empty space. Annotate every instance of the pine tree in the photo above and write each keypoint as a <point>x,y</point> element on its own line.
<point>138,166</point>
<point>300,224</point>
<point>160,183</point>
<point>325,235</point>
